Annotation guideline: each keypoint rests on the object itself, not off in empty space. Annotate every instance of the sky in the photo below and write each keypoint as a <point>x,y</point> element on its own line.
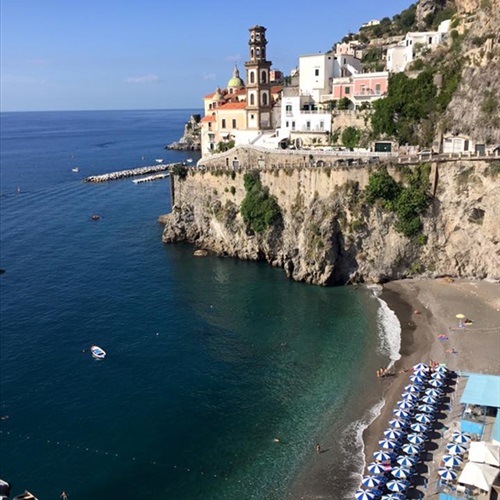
<point>155,54</point>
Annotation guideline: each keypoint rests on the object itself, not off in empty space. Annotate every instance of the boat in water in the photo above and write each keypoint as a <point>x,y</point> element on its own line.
<point>75,169</point>
<point>95,217</point>
<point>97,352</point>
<point>159,160</point>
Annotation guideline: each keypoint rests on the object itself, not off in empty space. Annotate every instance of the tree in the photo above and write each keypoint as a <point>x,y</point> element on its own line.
<point>351,137</point>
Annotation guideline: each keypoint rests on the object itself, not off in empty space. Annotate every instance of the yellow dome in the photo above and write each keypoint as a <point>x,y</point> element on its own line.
<point>235,81</point>
<point>218,95</point>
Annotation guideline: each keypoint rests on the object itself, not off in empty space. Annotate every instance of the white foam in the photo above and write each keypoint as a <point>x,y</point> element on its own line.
<point>390,332</point>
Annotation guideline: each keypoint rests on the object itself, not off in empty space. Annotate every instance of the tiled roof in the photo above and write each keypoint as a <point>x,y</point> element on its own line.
<point>208,118</point>
<point>233,105</point>
<point>276,88</point>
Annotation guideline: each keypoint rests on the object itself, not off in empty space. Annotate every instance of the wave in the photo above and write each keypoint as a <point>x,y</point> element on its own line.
<point>390,332</point>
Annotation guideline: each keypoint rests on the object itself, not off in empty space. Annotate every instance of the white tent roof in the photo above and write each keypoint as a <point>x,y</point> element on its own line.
<point>480,475</point>
<point>485,453</point>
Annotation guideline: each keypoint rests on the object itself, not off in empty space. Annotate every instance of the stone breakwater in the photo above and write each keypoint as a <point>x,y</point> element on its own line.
<point>131,172</point>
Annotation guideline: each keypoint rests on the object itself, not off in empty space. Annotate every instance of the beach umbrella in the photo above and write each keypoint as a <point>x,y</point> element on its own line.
<point>428,400</point>
<point>384,455</point>
<point>426,408</point>
<point>398,485</point>
<point>436,383</point>
<point>423,418</point>
<point>365,494</point>
<point>438,376</point>
<point>373,481</point>
<point>398,424</point>
<point>401,472</point>
<point>452,460</point>
<point>421,373</point>
<point>411,449</point>
<point>409,396</point>
<point>388,444</point>
<point>418,427</point>
<point>447,474</point>
<point>441,369</point>
<point>394,434</point>
<point>461,437</point>
<point>398,412</point>
<point>376,468</point>
<point>456,449</point>
<point>416,379</point>
<point>393,496</point>
<point>404,405</point>
<point>460,318</point>
<point>412,388</point>
<point>421,366</point>
<point>416,438</point>
<point>434,393</point>
<point>407,460</point>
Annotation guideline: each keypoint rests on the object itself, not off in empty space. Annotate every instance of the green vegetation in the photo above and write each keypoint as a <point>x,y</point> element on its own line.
<point>259,209</point>
<point>180,171</point>
<point>351,137</point>
<point>223,146</point>
<point>343,103</point>
<point>408,202</point>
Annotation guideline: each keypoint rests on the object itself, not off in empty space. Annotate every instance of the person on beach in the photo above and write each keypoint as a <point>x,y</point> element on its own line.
<point>318,448</point>
<point>64,496</point>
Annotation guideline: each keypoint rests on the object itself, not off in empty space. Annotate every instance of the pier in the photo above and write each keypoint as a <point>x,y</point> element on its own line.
<point>131,172</point>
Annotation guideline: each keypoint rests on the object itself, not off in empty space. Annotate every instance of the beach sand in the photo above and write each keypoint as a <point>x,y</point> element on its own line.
<point>427,312</point>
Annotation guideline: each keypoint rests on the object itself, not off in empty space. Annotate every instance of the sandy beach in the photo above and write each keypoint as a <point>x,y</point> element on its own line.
<point>427,312</point>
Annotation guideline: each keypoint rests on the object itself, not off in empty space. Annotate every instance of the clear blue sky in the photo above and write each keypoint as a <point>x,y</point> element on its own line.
<point>155,54</point>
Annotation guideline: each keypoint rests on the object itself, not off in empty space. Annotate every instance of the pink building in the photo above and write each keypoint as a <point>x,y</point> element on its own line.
<point>362,87</point>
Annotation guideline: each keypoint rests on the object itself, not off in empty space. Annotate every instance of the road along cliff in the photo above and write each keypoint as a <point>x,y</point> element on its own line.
<point>319,225</point>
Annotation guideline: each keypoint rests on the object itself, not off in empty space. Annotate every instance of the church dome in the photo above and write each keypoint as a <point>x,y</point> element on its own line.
<point>217,95</point>
<point>235,81</point>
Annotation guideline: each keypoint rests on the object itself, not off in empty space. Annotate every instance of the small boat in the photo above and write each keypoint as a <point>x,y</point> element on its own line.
<point>75,169</point>
<point>95,217</point>
<point>97,352</point>
<point>159,160</point>
<point>189,160</point>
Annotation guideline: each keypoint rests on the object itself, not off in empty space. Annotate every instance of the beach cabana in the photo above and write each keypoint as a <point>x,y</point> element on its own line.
<point>483,452</point>
<point>481,476</point>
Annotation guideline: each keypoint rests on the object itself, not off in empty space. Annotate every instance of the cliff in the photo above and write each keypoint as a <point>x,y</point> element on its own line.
<point>328,233</point>
<point>191,138</point>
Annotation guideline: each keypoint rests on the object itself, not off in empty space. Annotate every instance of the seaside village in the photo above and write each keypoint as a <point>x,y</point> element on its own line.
<point>444,439</point>
<point>326,93</point>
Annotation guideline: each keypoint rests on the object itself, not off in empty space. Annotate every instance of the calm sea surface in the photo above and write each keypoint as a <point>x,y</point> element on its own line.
<point>208,359</point>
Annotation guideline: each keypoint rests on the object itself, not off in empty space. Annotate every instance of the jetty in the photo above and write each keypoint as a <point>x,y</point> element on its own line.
<point>131,172</point>
<point>150,178</point>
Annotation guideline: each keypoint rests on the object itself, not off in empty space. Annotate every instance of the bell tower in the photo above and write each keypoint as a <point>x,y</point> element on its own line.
<point>258,88</point>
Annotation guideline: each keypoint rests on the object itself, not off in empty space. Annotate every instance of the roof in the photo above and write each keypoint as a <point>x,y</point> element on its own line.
<point>276,88</point>
<point>483,390</point>
<point>208,118</point>
<point>233,105</point>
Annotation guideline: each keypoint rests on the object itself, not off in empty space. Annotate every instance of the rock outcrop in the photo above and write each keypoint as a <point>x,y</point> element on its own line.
<point>329,235</point>
<point>191,138</point>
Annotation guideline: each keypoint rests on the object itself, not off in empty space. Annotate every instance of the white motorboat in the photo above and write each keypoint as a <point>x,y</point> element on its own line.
<point>97,352</point>
<point>75,169</point>
<point>159,160</point>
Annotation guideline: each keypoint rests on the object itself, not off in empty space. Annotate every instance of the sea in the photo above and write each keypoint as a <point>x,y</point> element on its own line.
<point>220,376</point>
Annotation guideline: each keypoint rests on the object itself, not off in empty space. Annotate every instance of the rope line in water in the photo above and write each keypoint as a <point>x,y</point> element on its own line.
<point>113,455</point>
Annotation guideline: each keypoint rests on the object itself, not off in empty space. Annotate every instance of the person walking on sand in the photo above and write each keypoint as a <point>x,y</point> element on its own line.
<point>64,496</point>
<point>318,448</point>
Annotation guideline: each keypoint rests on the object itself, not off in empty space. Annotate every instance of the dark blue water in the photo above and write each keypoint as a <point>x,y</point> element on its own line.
<point>208,359</point>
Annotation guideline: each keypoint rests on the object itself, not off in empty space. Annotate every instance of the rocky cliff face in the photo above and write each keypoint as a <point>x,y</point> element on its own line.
<point>191,138</point>
<point>328,235</point>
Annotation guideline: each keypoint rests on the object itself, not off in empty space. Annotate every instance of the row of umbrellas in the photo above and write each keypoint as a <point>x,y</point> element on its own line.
<point>414,416</point>
<point>453,458</point>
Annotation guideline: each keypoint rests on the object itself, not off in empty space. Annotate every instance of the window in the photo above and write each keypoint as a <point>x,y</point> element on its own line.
<point>234,123</point>
<point>321,125</point>
<point>288,108</point>
<point>293,125</point>
<point>252,100</point>
<point>287,124</point>
<point>223,123</point>
<point>252,117</point>
<point>316,72</point>
<point>263,77</point>
<point>264,99</point>
<point>377,88</point>
<point>252,77</point>
<point>308,125</point>
<point>347,90</point>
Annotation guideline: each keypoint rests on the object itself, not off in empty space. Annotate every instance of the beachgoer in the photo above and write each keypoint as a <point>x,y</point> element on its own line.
<point>318,448</point>
<point>64,496</point>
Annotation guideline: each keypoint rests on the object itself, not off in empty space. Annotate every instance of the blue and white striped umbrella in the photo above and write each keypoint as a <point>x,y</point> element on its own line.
<point>447,474</point>
<point>412,388</point>
<point>398,423</point>
<point>373,481</point>
<point>418,427</point>
<point>434,393</point>
<point>407,460</point>
<point>452,460</point>
<point>423,418</point>
<point>405,405</point>
<point>398,485</point>
<point>456,449</point>
<point>393,496</point>
<point>426,408</point>
<point>409,396</point>
<point>428,400</point>
<point>439,376</point>
<point>416,379</point>
<point>421,366</point>
<point>436,383</point>
<point>401,472</point>
<point>461,437</point>
<point>416,439</point>
<point>394,434</point>
<point>398,412</point>
<point>365,494</point>
<point>388,444</point>
<point>376,468</point>
<point>441,369</point>
<point>411,449</point>
<point>384,455</point>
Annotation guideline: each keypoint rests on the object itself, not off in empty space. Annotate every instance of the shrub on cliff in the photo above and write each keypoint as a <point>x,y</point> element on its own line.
<point>180,171</point>
<point>259,209</point>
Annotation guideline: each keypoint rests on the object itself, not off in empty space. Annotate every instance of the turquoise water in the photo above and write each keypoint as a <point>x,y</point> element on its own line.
<point>209,359</point>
